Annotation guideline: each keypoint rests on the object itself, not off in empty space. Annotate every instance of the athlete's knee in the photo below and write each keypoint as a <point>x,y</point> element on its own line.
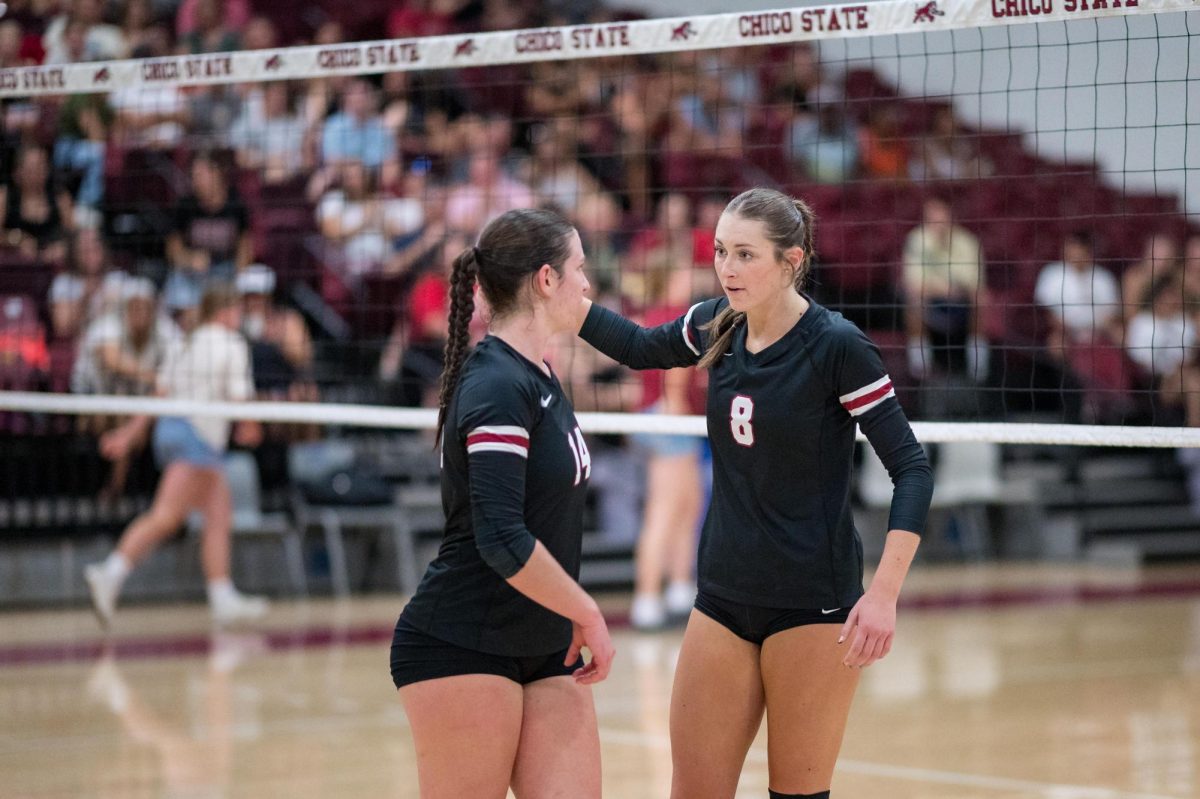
<point>778,795</point>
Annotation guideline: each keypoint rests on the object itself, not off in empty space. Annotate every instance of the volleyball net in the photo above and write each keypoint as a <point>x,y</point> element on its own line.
<point>1006,195</point>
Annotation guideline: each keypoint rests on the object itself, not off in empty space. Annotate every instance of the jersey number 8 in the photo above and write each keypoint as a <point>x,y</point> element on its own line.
<point>741,411</point>
<point>583,458</point>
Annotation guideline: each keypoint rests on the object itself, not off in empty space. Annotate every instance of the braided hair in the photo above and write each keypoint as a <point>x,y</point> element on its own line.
<point>511,250</point>
<point>789,223</point>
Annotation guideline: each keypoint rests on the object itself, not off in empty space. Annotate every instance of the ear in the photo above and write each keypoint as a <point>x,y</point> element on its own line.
<point>543,280</point>
<point>794,256</point>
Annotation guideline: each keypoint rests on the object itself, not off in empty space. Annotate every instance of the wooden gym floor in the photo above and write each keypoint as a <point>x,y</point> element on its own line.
<point>1046,681</point>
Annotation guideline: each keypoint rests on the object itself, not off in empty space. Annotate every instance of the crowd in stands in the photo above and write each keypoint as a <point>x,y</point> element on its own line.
<point>347,197</point>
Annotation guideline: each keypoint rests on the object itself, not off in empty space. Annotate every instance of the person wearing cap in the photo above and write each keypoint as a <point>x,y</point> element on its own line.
<point>265,324</point>
<point>281,354</point>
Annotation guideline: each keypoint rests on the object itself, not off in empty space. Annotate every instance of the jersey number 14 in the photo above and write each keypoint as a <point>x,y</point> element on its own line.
<point>741,411</point>
<point>583,458</point>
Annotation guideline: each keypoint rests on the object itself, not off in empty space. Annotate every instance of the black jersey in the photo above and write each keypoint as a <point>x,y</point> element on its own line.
<point>514,469</point>
<point>781,423</point>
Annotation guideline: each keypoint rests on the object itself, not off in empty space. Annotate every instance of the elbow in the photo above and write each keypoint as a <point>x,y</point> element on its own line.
<point>506,553</point>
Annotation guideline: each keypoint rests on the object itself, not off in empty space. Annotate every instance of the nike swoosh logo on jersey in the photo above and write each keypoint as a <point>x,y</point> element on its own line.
<point>547,400</point>
<point>827,612</point>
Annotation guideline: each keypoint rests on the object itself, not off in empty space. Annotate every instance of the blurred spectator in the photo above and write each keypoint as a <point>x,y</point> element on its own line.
<point>1161,338</point>
<point>674,482</point>
<point>415,247</point>
<point>151,116</point>
<point>673,238</point>
<point>213,111</point>
<point>360,224</point>
<point>270,136</point>
<point>212,32</point>
<point>213,366</point>
<point>1160,257</point>
<point>640,116</point>
<point>947,152</point>
<point>37,214</point>
<point>281,349</point>
<point>413,354</point>
<point>357,133</point>
<point>1083,305</point>
<point>1083,300</point>
<point>83,125</point>
<point>260,34</point>
<point>210,239</point>
<point>553,170</point>
<point>320,94</point>
<point>137,26</point>
<point>75,46</point>
<point>883,150</point>
<point>823,141</point>
<point>598,220</point>
<point>943,284</point>
<point>709,116</point>
<point>233,14</point>
<point>555,93</point>
<point>99,41</point>
<point>487,193</point>
<point>11,39</point>
<point>797,79</point>
<point>88,290</point>
<point>121,352</point>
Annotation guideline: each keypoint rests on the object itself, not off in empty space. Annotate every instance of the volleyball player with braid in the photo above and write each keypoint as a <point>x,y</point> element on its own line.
<point>781,623</point>
<point>486,655</point>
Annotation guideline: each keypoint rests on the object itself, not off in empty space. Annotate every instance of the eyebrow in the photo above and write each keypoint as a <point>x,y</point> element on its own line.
<point>751,246</point>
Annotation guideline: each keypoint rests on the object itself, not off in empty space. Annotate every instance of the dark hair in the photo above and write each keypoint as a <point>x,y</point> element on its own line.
<point>789,223</point>
<point>511,249</point>
<point>1083,237</point>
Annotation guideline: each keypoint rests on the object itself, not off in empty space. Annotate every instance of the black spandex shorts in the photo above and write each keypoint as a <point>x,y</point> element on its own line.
<point>755,624</point>
<point>417,656</point>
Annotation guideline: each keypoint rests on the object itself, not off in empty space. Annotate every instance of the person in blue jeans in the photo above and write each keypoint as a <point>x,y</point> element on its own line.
<point>212,366</point>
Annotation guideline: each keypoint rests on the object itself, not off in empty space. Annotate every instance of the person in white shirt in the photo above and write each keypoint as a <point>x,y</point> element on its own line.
<point>1083,300</point>
<point>212,365</point>
<point>1163,341</point>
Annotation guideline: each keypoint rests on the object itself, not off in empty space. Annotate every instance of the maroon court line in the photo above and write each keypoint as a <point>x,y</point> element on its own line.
<point>198,644</point>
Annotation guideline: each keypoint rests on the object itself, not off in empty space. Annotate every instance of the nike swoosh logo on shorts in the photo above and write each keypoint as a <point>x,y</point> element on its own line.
<point>827,612</point>
<point>547,400</point>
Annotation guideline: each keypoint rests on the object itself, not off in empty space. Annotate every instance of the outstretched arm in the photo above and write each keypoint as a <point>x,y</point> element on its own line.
<point>676,343</point>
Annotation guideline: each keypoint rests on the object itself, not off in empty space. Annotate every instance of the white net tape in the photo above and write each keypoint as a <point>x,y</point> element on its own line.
<point>561,43</point>
<point>619,423</point>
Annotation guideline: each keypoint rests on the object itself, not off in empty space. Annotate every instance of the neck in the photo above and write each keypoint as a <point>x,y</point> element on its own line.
<point>527,334</point>
<point>767,323</point>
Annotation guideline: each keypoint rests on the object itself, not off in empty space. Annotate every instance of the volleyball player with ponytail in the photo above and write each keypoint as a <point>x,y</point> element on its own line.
<point>781,623</point>
<point>486,655</point>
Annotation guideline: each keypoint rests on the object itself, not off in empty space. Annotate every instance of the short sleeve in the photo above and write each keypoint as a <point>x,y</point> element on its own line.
<point>1046,293</point>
